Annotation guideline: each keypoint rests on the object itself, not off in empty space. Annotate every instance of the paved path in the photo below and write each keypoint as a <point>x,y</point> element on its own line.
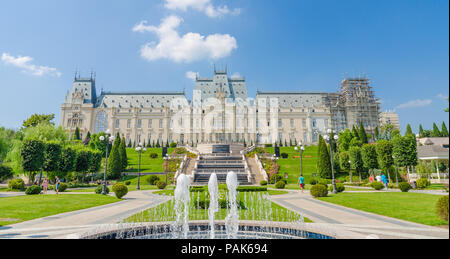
<point>59,226</point>
<point>355,223</point>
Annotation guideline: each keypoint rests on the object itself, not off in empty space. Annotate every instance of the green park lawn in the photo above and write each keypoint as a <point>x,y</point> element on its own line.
<point>291,165</point>
<point>415,207</point>
<point>25,208</point>
<point>148,165</point>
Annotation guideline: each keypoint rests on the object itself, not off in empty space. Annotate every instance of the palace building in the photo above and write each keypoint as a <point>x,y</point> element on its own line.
<point>220,111</point>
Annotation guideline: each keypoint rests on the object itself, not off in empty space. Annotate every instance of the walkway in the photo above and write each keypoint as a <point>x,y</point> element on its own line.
<point>59,226</point>
<point>353,223</point>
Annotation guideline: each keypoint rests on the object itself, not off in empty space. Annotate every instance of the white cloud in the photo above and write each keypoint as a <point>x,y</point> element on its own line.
<point>187,48</point>
<point>25,64</point>
<point>204,6</point>
<point>236,75</point>
<point>442,96</point>
<point>191,75</point>
<point>415,104</point>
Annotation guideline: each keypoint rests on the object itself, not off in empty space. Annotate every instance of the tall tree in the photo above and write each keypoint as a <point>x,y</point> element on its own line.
<point>369,156</point>
<point>344,140</point>
<point>444,130</point>
<point>123,154</point>
<point>377,133</point>
<point>95,161</point>
<point>323,161</point>
<point>436,132</point>
<point>421,132</point>
<point>355,132</point>
<point>362,134</point>
<point>36,119</point>
<point>344,159</point>
<point>82,162</point>
<point>52,157</point>
<point>384,153</point>
<point>409,130</point>
<point>77,134</point>
<point>356,160</point>
<point>32,154</point>
<point>67,162</point>
<point>115,162</point>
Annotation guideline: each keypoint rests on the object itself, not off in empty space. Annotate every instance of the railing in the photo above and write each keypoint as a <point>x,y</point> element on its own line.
<point>261,168</point>
<point>181,168</point>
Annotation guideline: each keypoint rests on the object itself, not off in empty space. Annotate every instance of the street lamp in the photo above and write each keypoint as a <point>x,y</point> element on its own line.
<point>351,175</point>
<point>109,140</point>
<point>274,159</point>
<point>167,159</point>
<point>301,148</point>
<point>330,140</point>
<point>139,149</point>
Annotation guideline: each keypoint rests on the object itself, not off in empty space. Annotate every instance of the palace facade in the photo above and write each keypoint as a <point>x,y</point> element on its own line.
<point>219,112</point>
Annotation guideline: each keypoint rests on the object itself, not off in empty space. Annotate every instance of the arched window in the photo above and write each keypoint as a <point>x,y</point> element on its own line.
<point>101,122</point>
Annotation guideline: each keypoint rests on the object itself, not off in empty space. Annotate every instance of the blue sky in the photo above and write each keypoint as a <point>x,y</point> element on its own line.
<point>302,45</point>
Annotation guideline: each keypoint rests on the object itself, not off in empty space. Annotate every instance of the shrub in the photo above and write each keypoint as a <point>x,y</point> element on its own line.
<point>268,145</point>
<point>377,186</point>
<point>5,173</point>
<point>319,190</point>
<point>33,190</point>
<point>284,155</point>
<point>161,185</point>
<point>99,189</point>
<point>198,188</point>
<point>127,183</point>
<point>404,187</point>
<point>263,183</point>
<point>120,190</point>
<point>313,181</point>
<point>224,205</point>
<point>275,176</point>
<point>152,179</point>
<point>442,207</point>
<point>173,145</point>
<point>325,182</point>
<point>280,185</point>
<point>423,183</point>
<point>16,184</point>
<point>153,156</point>
<point>252,189</point>
<point>339,187</point>
<point>62,187</point>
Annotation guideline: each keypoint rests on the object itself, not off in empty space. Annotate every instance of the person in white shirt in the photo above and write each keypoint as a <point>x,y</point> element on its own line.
<point>378,178</point>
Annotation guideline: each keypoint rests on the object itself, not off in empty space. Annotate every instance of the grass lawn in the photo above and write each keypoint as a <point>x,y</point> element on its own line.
<point>415,207</point>
<point>131,188</point>
<point>254,207</point>
<point>291,165</point>
<point>25,208</point>
<point>148,165</point>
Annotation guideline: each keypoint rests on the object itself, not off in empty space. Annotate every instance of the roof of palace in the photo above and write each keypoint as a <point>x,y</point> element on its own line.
<point>141,99</point>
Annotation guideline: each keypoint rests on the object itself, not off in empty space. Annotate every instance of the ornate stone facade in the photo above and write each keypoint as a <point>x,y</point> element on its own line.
<point>220,111</point>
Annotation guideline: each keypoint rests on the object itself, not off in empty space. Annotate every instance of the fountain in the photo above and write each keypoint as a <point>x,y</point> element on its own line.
<point>262,220</point>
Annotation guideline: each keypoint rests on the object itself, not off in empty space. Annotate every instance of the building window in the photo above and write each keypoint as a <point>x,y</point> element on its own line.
<point>292,123</point>
<point>304,123</point>
<point>314,123</point>
<point>129,124</point>
<point>101,122</point>
<point>280,123</point>
<point>139,124</point>
<point>160,124</point>
<point>117,124</point>
<point>149,124</point>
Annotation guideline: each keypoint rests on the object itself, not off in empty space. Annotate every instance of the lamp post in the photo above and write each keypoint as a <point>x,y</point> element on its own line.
<point>351,175</point>
<point>166,159</point>
<point>274,159</point>
<point>109,140</point>
<point>330,140</point>
<point>301,148</point>
<point>139,149</point>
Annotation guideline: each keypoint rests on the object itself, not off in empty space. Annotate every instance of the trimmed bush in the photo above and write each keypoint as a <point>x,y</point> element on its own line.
<point>280,185</point>
<point>173,145</point>
<point>284,155</point>
<point>127,183</point>
<point>161,185</point>
<point>17,184</point>
<point>275,176</point>
<point>199,188</point>
<point>423,183</point>
<point>99,189</point>
<point>325,182</point>
<point>319,190</point>
<point>313,181</point>
<point>120,190</point>
<point>339,187</point>
<point>263,183</point>
<point>33,190</point>
<point>377,186</point>
<point>63,187</point>
<point>252,189</point>
<point>5,173</point>
<point>152,179</point>
<point>404,187</point>
<point>442,207</point>
<point>153,156</point>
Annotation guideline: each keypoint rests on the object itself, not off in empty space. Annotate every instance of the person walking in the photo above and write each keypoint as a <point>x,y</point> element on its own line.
<point>385,180</point>
<point>378,178</point>
<point>301,182</point>
<point>57,183</point>
<point>45,185</point>
<point>371,179</point>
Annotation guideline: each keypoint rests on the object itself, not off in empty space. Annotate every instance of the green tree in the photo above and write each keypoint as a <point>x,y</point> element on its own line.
<point>369,156</point>
<point>344,159</point>
<point>444,130</point>
<point>357,163</point>
<point>87,139</point>
<point>52,157</point>
<point>32,154</point>
<point>82,162</point>
<point>344,140</point>
<point>362,134</point>
<point>77,134</point>
<point>421,132</point>
<point>123,154</point>
<point>6,173</point>
<point>36,119</point>
<point>384,152</point>
<point>323,161</point>
<point>115,162</point>
<point>67,162</point>
<point>436,133</point>
<point>95,161</point>
<point>409,130</point>
<point>355,132</point>
<point>377,133</point>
